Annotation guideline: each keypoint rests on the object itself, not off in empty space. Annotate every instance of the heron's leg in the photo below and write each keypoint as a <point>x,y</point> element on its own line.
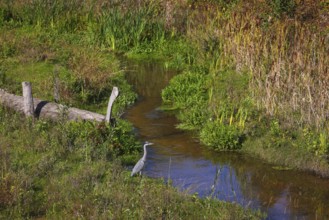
<point>141,176</point>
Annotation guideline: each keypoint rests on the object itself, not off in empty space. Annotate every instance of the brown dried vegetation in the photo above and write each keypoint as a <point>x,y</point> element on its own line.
<point>287,56</point>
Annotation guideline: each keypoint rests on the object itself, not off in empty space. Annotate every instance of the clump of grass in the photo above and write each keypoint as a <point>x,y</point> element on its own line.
<point>221,136</point>
<point>218,113</point>
<point>187,92</point>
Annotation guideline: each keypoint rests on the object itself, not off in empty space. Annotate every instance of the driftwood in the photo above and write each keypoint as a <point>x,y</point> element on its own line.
<point>50,110</point>
<point>114,95</point>
<point>28,99</point>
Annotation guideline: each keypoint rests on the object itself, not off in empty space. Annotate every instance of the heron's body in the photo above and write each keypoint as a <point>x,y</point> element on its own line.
<point>140,164</point>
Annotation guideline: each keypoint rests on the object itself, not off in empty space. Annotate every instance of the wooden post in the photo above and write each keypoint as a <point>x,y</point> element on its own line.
<point>28,99</point>
<point>56,84</point>
<point>114,95</point>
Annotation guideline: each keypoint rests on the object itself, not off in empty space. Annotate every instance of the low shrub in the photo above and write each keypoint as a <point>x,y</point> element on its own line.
<point>220,136</point>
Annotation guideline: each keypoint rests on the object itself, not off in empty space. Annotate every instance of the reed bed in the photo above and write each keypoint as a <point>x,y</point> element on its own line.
<point>286,57</point>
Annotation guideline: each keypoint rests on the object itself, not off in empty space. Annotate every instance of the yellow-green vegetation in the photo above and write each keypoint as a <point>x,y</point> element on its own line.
<point>265,70</point>
<point>73,170</point>
<point>86,74</point>
<point>77,170</point>
<point>255,73</point>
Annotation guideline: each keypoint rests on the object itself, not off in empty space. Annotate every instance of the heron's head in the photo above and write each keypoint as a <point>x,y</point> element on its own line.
<point>147,143</point>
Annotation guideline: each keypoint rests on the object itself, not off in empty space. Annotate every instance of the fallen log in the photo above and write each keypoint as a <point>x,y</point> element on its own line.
<point>49,110</point>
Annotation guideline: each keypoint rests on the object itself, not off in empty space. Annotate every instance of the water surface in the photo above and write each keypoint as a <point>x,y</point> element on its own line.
<point>227,176</point>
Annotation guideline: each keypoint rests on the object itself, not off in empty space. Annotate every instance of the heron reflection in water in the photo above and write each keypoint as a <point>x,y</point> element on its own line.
<point>140,164</point>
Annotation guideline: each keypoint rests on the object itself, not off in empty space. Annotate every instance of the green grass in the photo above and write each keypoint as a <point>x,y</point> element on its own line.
<point>78,169</point>
<point>234,89</point>
<point>86,74</point>
<point>39,74</point>
<point>75,170</point>
<point>241,68</point>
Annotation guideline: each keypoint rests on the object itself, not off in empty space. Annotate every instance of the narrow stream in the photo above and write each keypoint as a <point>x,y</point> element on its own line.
<point>227,176</point>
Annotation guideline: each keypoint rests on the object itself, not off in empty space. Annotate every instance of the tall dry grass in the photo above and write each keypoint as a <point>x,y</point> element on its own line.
<point>287,56</point>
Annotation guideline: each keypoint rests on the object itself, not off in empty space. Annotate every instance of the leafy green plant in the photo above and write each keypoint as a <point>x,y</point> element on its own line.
<point>186,90</point>
<point>323,144</point>
<point>275,129</point>
<point>221,136</point>
<point>315,142</point>
<point>192,118</point>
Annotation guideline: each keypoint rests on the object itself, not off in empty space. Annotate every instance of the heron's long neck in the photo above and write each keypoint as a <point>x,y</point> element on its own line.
<point>144,156</point>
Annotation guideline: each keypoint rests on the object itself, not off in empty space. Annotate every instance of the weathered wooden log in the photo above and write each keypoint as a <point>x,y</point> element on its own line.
<point>50,110</point>
<point>28,99</point>
<point>114,95</point>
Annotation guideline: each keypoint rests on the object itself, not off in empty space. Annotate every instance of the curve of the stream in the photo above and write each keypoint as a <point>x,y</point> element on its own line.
<point>227,176</point>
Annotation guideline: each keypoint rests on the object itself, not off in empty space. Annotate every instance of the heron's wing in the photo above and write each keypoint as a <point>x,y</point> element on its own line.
<point>138,167</point>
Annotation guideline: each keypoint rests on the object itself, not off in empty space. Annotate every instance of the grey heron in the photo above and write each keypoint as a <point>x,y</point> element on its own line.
<point>140,164</point>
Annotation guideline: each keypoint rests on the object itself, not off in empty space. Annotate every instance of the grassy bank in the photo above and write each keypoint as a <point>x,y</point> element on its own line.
<point>78,169</point>
<point>74,170</point>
